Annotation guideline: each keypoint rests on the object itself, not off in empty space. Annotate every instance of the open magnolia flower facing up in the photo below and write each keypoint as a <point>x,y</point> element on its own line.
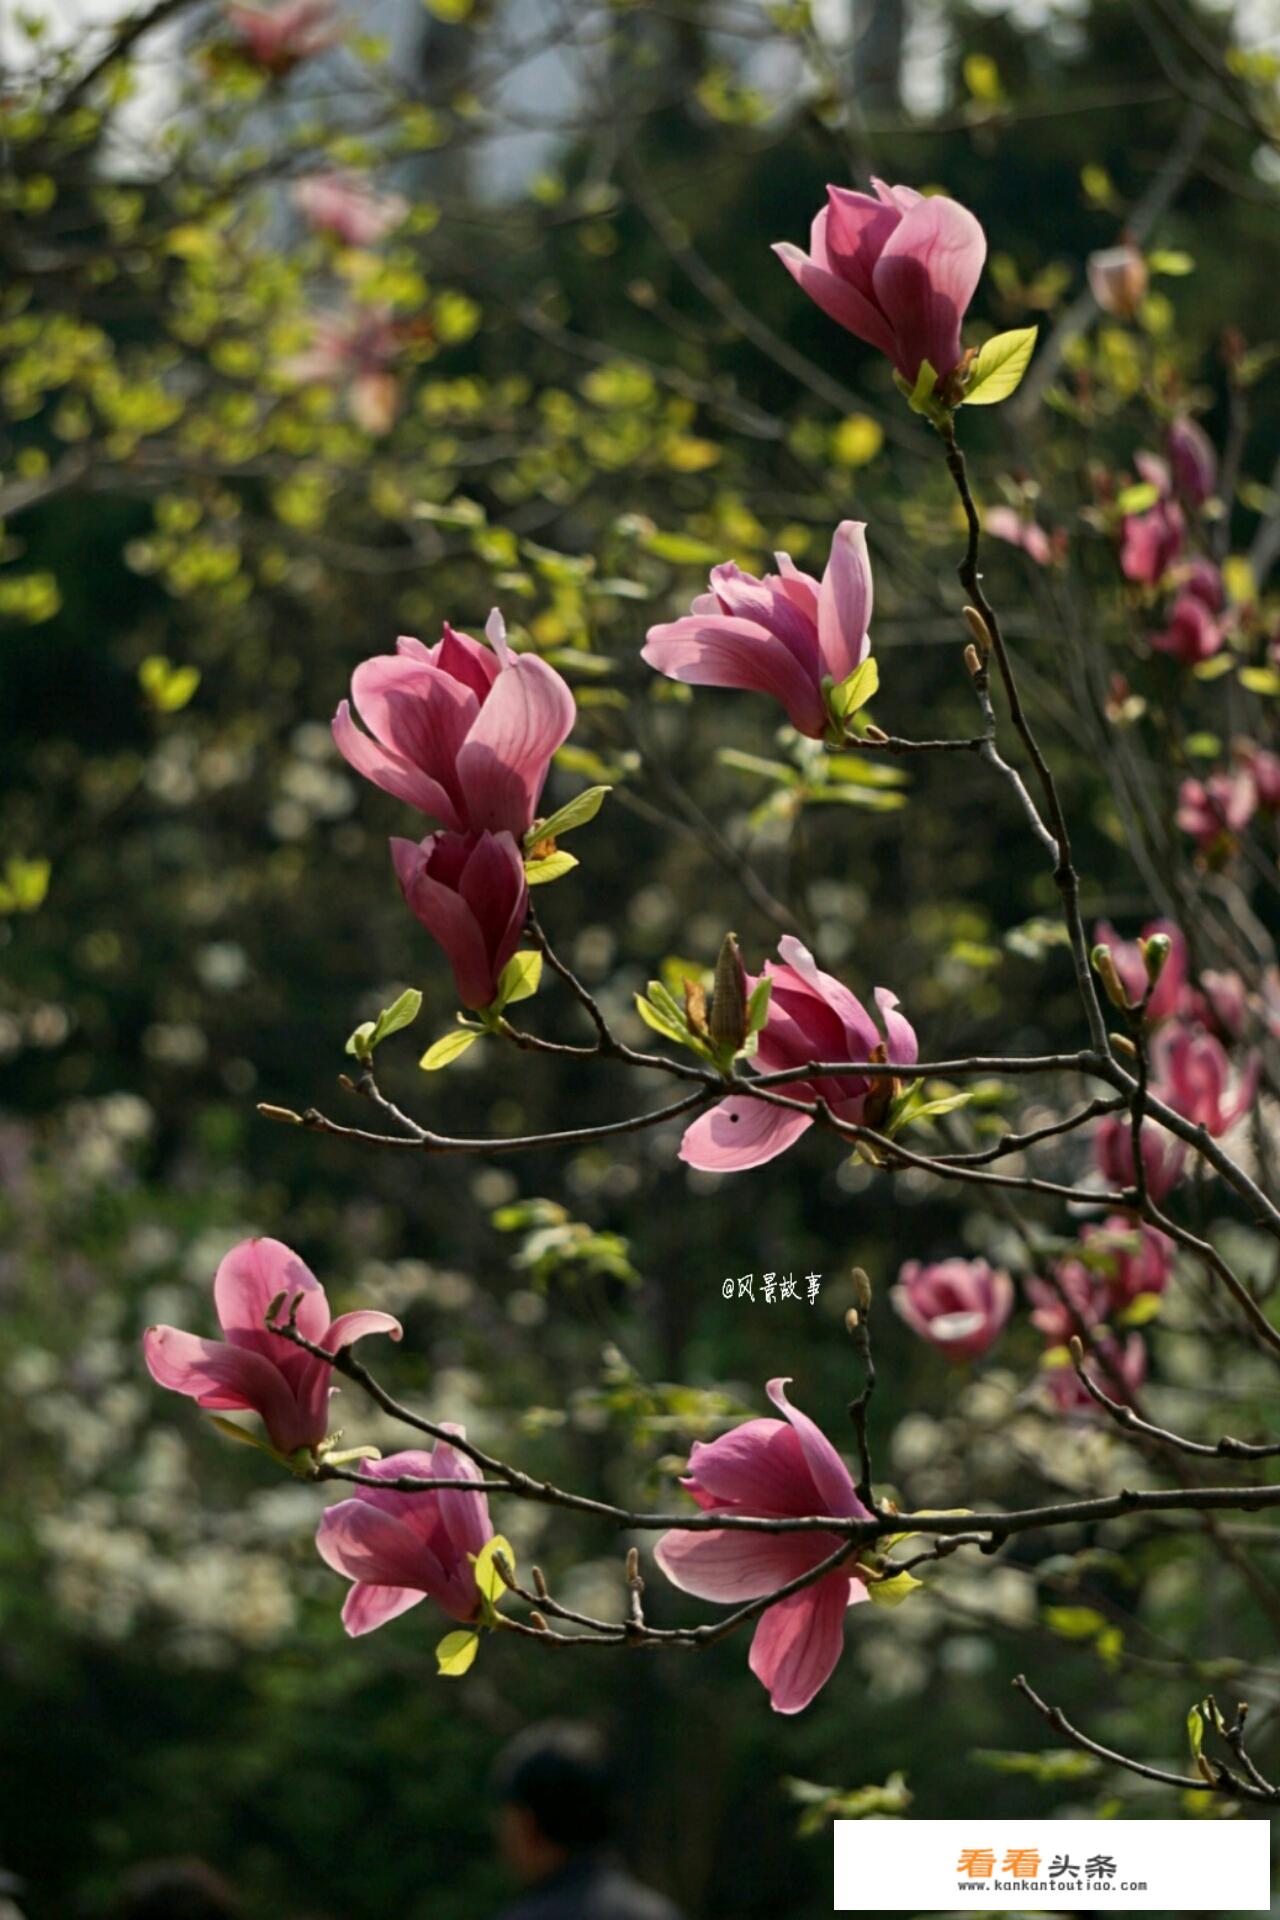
<point>958,1306</point>
<point>251,1369</point>
<point>773,1469</point>
<point>897,269</point>
<point>400,1548</point>
<point>812,1018</point>
<point>784,635</point>
<point>469,891</point>
<point>461,731</point>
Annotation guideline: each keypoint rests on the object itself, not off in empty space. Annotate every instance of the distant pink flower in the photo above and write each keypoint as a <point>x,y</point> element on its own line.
<point>1163,1155</point>
<point>1193,460</point>
<point>1171,988</point>
<point>783,635</point>
<point>958,1306</point>
<point>773,1469</point>
<point>1136,1259</point>
<point>1150,542</point>
<point>1194,1075</point>
<point>1119,1368</point>
<point>1073,1302</point>
<point>1006,523</point>
<point>463,732</point>
<point>1118,279</point>
<point>812,1018</point>
<point>897,269</point>
<point>469,892</point>
<point>278,37</point>
<point>252,1369</point>
<point>1215,811</point>
<point>1263,768</point>
<point>357,349</point>
<point>1203,581</point>
<point>400,1548</point>
<point>347,207</point>
<point>1222,1003</point>
<point>1192,634</point>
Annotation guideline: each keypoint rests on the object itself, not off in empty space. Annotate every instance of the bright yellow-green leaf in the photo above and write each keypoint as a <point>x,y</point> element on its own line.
<point>455,1654</point>
<point>857,440</point>
<point>553,867</point>
<point>1263,680</point>
<point>982,77</point>
<point>1237,578</point>
<point>892,1592</point>
<point>488,1579</point>
<point>167,688</point>
<point>999,367</point>
<point>447,1049</point>
<point>520,978</point>
<point>575,813</point>
<point>25,885</point>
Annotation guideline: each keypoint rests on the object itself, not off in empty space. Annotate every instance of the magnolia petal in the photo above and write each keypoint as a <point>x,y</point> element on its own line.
<point>844,603</point>
<point>368,1606</point>
<point>924,280</point>
<point>723,651</point>
<point>738,1565</point>
<point>502,768</point>
<point>741,1133</point>
<point>798,1642</point>
<point>391,772</point>
<point>831,1478</point>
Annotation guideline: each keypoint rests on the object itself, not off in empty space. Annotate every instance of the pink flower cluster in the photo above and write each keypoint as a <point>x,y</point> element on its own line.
<point>1089,1296</point>
<point>465,733</point>
<point>1216,811</point>
<point>1154,551</point>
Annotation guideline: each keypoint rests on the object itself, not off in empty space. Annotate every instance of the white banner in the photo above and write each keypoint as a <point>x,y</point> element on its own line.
<point>1053,1866</point>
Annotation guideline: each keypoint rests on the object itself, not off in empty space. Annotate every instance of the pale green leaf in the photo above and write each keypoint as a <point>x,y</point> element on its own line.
<point>575,813</point>
<point>999,367</point>
<point>553,867</point>
<point>455,1654</point>
<point>520,978</point>
<point>448,1048</point>
<point>892,1592</point>
<point>490,1582</point>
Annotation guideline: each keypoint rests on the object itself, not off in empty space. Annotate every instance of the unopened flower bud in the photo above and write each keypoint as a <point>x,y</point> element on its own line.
<point>973,660</point>
<point>979,629</point>
<point>1123,1043</point>
<point>540,1586</point>
<point>1155,952</point>
<point>285,1114</point>
<point>1105,967</point>
<point>862,1288</point>
<point>851,1320</point>
<point>1076,1346</point>
<point>873,732</point>
<point>729,999</point>
<point>1118,279</point>
<point>633,1563</point>
<point>539,1621</point>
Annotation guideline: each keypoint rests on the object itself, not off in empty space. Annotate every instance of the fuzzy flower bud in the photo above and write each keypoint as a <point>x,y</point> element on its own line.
<point>729,997</point>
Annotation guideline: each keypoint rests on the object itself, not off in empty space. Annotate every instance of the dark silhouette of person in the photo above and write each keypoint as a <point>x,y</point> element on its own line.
<point>179,1889</point>
<point>556,1794</point>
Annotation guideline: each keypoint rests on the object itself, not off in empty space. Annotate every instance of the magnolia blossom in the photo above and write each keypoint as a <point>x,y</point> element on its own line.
<point>1216,810</point>
<point>1200,578</point>
<point>1074,1301</point>
<point>358,350</point>
<point>958,1306</point>
<point>347,207</point>
<point>897,269</point>
<point>1263,768</point>
<point>1163,1155</point>
<point>773,1469</point>
<point>1193,461</point>
<point>470,893</point>
<point>400,1548</point>
<point>1118,279</point>
<point>1150,542</point>
<point>1136,1259</point>
<point>1169,993</point>
<point>1222,1003</point>
<point>278,37</point>
<point>1006,523</point>
<point>463,732</point>
<point>251,1369</point>
<point>812,1017</point>
<point>783,635</point>
<point>1118,1367</point>
<point>1192,633</point>
<point>1195,1077</point>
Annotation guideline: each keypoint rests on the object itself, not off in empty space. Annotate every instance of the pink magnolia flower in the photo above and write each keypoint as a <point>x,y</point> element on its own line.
<point>347,207</point>
<point>1150,542</point>
<point>773,1469</point>
<point>1193,460</point>
<point>358,350</point>
<point>897,269</point>
<point>1194,1076</point>
<point>1073,1302</point>
<point>958,1306</point>
<point>1118,279</point>
<point>783,635</point>
<point>1163,1155</point>
<point>1006,523</point>
<point>278,37</point>
<point>1200,578</point>
<point>812,1018</point>
<point>400,1548</point>
<point>1215,811</point>
<point>463,732</point>
<point>1222,1003</point>
<point>1170,992</point>
<point>1118,1367</point>
<point>1192,634</point>
<point>1136,1259</point>
<point>251,1368</point>
<point>470,893</point>
<point>1263,768</point>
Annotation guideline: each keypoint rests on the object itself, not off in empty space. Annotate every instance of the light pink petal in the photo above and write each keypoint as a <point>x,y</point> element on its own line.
<point>416,711</point>
<point>721,651</point>
<point>391,772</point>
<point>449,921</point>
<point>904,1049</point>
<point>838,300</point>
<point>831,1477</point>
<point>369,1544</point>
<point>503,766</point>
<point>742,1133</point>
<point>759,1468</point>
<point>844,604</point>
<point>861,1031</point>
<point>797,1644</point>
<point>925,279</point>
<point>227,1379</point>
<point>800,588</point>
<point>465,659</point>
<point>767,604</point>
<point>349,1327</point>
<point>465,1515</point>
<point>249,1278</point>
<point>855,232</point>
<point>737,1565</point>
<point>367,1606</point>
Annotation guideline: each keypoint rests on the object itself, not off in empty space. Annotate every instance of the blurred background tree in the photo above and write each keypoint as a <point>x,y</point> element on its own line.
<point>567,379</point>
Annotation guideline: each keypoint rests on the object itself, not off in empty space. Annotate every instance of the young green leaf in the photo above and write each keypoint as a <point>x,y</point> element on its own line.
<point>575,813</point>
<point>519,979</point>
<point>999,367</point>
<point>455,1653</point>
<point>758,1005</point>
<point>401,1013</point>
<point>553,867</point>
<point>490,1582</point>
<point>861,686</point>
<point>892,1592</point>
<point>448,1048</point>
